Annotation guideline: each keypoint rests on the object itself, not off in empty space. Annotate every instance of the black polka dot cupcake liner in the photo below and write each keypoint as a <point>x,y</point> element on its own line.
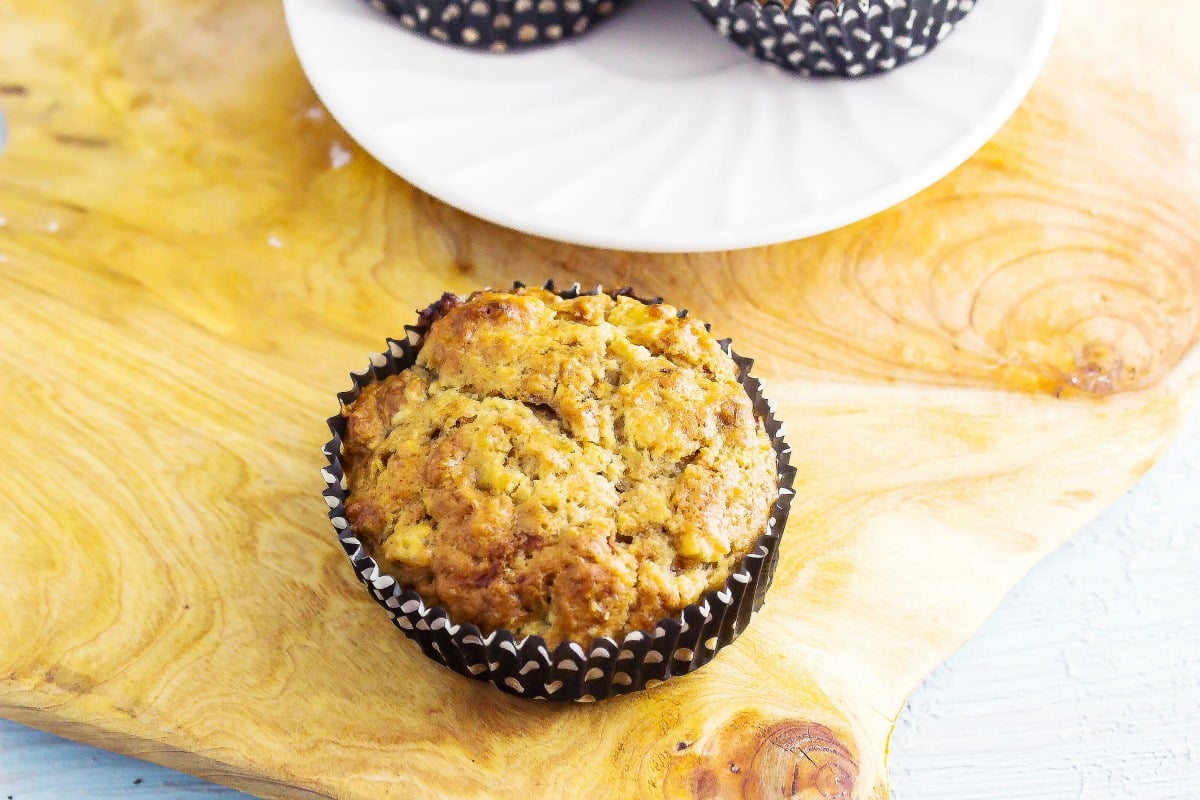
<point>850,39</point>
<point>579,671</point>
<point>497,25</point>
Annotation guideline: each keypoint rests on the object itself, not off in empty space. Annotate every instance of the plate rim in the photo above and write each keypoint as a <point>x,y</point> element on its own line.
<point>907,185</point>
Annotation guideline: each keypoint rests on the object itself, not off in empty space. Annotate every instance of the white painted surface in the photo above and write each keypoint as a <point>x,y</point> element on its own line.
<point>1085,685</point>
<point>38,766</point>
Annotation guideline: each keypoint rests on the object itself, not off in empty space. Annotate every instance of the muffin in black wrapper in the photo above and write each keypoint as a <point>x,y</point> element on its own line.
<point>497,25</point>
<point>850,38</point>
<point>581,671</point>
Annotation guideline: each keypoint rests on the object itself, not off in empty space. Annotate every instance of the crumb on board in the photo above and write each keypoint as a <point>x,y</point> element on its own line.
<point>339,156</point>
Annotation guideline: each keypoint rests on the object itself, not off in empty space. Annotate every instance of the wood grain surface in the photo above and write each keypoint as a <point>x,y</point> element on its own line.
<point>1085,682</point>
<point>189,266</point>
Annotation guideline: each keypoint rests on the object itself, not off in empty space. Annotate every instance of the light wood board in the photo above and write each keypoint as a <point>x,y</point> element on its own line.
<point>187,275</point>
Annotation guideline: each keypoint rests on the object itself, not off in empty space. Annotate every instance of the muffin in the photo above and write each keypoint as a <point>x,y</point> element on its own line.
<point>497,25</point>
<point>569,494</point>
<point>846,38</point>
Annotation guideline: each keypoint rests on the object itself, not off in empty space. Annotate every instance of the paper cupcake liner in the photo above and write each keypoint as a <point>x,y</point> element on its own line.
<point>863,37</point>
<point>497,25</point>
<point>579,671</point>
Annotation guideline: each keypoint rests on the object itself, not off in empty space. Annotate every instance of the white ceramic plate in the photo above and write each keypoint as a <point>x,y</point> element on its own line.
<point>653,133</point>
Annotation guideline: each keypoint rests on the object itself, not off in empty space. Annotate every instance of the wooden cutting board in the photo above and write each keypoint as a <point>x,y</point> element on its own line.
<point>188,271</point>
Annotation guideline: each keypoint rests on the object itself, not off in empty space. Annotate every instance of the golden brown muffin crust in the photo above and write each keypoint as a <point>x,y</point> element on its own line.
<point>569,468</point>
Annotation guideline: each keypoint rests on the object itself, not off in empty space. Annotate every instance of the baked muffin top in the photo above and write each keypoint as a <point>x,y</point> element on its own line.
<point>568,468</point>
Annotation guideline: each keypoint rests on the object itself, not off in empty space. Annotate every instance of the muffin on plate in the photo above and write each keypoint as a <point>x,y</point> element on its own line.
<point>497,25</point>
<point>846,38</point>
<point>570,495</point>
